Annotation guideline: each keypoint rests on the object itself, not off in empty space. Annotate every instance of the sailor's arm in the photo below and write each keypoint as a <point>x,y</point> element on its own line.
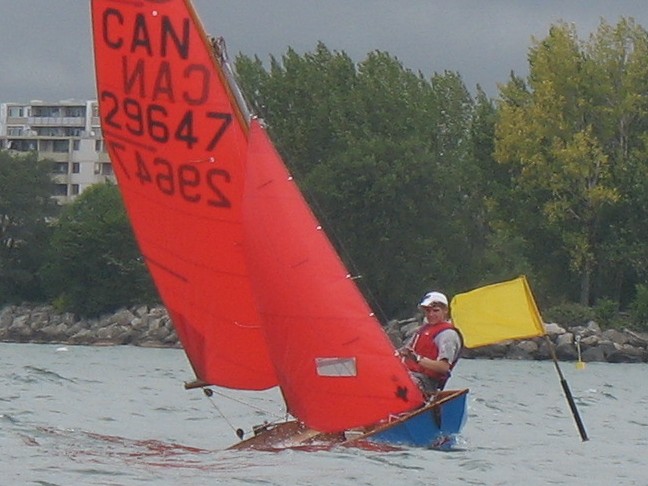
<point>438,365</point>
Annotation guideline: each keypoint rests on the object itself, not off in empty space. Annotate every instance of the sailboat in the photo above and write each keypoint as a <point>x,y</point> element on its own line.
<point>257,294</point>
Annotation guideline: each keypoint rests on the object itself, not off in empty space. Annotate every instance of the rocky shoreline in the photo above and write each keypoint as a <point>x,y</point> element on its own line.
<point>611,346</point>
<point>151,327</point>
<point>140,326</point>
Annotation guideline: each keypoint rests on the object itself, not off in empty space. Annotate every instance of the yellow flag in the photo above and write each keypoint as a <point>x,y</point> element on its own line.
<point>497,312</point>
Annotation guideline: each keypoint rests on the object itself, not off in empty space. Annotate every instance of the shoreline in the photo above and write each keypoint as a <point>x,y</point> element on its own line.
<point>143,325</point>
<point>150,326</point>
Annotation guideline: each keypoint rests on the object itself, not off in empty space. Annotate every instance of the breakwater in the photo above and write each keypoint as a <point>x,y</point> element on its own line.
<point>151,327</point>
<point>140,326</point>
<point>612,345</point>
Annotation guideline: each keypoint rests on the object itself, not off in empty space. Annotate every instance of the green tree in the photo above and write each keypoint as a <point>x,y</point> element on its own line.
<point>567,136</point>
<point>374,185</point>
<point>621,109</point>
<point>25,206</point>
<point>499,251</point>
<point>94,265</point>
<point>304,98</point>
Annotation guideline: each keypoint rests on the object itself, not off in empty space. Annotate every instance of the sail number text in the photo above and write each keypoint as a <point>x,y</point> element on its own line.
<point>185,180</point>
<point>130,116</point>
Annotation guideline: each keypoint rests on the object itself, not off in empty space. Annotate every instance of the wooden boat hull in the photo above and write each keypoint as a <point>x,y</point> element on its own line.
<point>434,425</point>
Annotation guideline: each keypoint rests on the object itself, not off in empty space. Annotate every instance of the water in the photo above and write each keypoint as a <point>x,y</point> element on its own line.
<point>119,416</point>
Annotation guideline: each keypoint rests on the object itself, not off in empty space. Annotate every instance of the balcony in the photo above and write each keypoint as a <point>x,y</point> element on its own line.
<point>61,121</point>
<point>54,156</point>
<point>16,120</point>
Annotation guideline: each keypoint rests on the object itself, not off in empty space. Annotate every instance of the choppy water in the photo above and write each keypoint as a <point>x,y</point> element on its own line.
<point>120,416</point>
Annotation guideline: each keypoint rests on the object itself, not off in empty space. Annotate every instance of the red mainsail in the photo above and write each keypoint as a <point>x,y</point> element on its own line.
<point>178,144</point>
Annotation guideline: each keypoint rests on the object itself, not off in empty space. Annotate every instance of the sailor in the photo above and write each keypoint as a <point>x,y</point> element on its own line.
<point>434,348</point>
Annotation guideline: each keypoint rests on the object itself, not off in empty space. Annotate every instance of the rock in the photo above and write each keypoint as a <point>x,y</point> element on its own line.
<point>594,354</point>
<point>637,339</point>
<point>156,323</point>
<point>54,332</point>
<point>523,350</point>
<point>141,311</point>
<point>493,351</point>
<point>6,316</point>
<point>585,331</point>
<point>553,329</point>
<point>593,327</point>
<point>20,329</point>
<point>590,341</point>
<point>158,335</point>
<point>543,352</point>
<point>140,323</point>
<point>84,336</point>
<point>615,336</point>
<point>608,348</point>
<point>40,317</point>
<point>566,352</point>
<point>123,317</point>
<point>628,354</point>
<point>565,339</point>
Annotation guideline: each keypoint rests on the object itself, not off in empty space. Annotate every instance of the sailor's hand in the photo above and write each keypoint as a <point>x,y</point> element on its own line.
<point>408,353</point>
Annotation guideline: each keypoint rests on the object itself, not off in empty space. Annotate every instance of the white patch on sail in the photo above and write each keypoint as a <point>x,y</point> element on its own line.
<point>336,366</point>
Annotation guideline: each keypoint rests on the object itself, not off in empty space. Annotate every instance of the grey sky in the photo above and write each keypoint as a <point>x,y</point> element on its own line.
<point>47,51</point>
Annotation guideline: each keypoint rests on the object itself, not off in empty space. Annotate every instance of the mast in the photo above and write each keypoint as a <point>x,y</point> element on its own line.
<point>244,113</point>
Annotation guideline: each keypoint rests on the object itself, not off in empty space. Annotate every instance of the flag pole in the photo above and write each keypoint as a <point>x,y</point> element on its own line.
<point>568,394</point>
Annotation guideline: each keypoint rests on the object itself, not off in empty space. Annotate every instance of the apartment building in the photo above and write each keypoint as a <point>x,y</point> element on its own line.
<point>68,133</point>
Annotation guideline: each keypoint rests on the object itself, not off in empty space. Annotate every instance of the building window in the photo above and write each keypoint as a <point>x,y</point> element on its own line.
<point>22,145</point>
<point>60,168</point>
<point>106,169</point>
<point>74,190</point>
<point>61,146</point>
<point>75,111</point>
<point>50,132</point>
<point>76,168</point>
<point>47,111</point>
<point>73,131</point>
<point>99,146</point>
<point>76,144</point>
<point>60,189</point>
<point>16,111</point>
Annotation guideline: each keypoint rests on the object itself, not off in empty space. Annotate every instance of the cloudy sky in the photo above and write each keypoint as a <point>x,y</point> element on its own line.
<point>47,47</point>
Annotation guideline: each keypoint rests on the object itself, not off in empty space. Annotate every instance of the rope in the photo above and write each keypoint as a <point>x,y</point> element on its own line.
<point>209,393</point>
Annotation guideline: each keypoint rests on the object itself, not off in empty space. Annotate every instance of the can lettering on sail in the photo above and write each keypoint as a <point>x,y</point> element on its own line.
<point>167,121</point>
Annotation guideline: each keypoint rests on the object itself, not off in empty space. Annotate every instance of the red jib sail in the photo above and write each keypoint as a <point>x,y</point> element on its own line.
<point>178,146</point>
<point>335,364</point>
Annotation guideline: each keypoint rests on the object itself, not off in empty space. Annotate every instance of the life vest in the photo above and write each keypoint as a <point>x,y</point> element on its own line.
<point>424,345</point>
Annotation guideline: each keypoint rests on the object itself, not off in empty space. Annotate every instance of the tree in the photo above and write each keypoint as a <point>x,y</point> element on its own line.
<point>567,135</point>
<point>621,54</point>
<point>499,251</point>
<point>94,265</point>
<point>25,207</point>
